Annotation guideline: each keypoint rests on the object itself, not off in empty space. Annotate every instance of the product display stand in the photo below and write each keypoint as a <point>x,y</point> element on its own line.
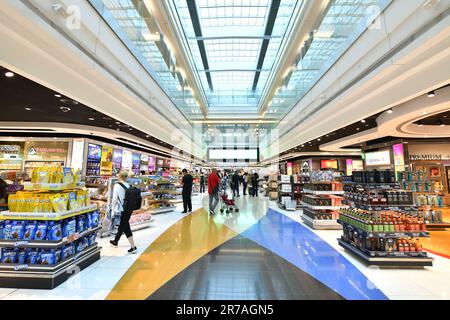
<point>321,204</point>
<point>299,184</point>
<point>44,276</point>
<point>382,226</point>
<point>285,193</point>
<point>273,188</point>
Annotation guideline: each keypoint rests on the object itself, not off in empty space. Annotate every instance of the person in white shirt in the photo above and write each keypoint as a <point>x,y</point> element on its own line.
<point>117,206</point>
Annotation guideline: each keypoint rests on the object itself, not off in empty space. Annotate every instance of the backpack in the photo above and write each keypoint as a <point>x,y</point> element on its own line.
<point>133,198</point>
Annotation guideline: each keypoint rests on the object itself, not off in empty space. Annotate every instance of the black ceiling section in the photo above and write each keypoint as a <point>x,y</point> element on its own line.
<point>24,100</point>
<point>201,44</point>
<point>74,135</point>
<point>265,43</point>
<point>436,120</point>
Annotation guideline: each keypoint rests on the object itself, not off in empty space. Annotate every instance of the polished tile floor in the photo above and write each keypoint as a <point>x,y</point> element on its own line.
<point>197,256</point>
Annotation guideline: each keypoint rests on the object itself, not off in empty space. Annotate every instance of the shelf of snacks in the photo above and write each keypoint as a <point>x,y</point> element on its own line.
<point>322,200</point>
<point>382,225</point>
<point>47,231</point>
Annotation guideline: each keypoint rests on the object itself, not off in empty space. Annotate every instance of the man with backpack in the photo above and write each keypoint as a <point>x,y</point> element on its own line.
<point>213,190</point>
<point>202,182</point>
<point>125,200</point>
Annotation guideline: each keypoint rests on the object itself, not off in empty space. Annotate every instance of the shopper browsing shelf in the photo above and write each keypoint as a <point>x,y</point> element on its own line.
<point>125,200</point>
<point>187,182</point>
<point>213,190</point>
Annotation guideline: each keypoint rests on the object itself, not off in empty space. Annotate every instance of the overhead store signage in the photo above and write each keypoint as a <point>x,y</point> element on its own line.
<point>399,159</point>
<point>379,158</point>
<point>46,150</point>
<point>107,157</point>
<point>233,154</point>
<point>328,164</point>
<point>117,160</point>
<point>9,149</point>
<point>151,164</point>
<point>427,152</point>
<point>94,152</point>
<point>126,160</point>
<point>424,157</point>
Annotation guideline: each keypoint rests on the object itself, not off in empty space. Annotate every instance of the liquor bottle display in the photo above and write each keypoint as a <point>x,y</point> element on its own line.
<point>321,200</point>
<point>382,226</point>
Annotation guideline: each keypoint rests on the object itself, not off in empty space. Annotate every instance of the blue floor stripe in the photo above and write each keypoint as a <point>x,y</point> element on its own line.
<point>303,248</point>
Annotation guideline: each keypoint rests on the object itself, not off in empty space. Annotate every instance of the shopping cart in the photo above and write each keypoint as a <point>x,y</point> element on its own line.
<point>227,204</point>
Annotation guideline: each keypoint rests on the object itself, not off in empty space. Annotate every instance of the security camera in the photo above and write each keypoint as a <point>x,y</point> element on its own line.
<point>65,109</point>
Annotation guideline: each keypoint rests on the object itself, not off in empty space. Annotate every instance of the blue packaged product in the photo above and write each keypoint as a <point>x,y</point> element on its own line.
<point>17,230</point>
<point>22,256</point>
<point>32,256</point>
<point>30,230</point>
<point>69,227</point>
<point>91,238</point>
<point>72,249</point>
<point>41,231</point>
<point>2,226</point>
<point>58,253</point>
<point>81,245</point>
<point>47,257</point>
<point>9,256</point>
<point>54,231</point>
<point>81,223</point>
<point>6,229</point>
<point>65,252</point>
<point>94,219</point>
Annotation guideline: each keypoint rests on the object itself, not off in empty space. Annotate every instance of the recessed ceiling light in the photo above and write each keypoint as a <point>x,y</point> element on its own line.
<point>303,145</point>
<point>424,112</point>
<point>442,125</point>
<point>58,95</point>
<point>9,74</point>
<point>390,111</point>
<point>147,136</point>
<point>65,109</point>
<point>363,121</point>
<point>431,94</point>
<point>420,124</point>
<point>357,129</point>
<point>318,139</point>
<point>91,119</point>
<point>130,129</point>
<point>28,109</point>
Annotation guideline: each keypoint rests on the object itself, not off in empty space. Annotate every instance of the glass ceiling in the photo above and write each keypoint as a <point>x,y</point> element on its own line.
<point>234,44</point>
<point>343,23</point>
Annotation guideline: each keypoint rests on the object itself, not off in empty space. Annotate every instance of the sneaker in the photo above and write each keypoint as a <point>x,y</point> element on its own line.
<point>113,243</point>
<point>183,211</point>
<point>211,212</point>
<point>132,250</point>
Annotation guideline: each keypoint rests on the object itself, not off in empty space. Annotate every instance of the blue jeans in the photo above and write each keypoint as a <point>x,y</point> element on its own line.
<point>213,201</point>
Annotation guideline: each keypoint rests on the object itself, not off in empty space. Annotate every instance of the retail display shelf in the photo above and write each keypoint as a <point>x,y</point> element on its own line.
<point>403,234</point>
<point>46,244</point>
<point>386,208</point>
<point>96,185</point>
<point>146,194</point>
<point>46,276</point>
<point>307,205</point>
<point>398,259</point>
<point>162,210</point>
<point>28,186</point>
<point>54,216</point>
<point>321,224</point>
<point>437,226</point>
<point>327,192</point>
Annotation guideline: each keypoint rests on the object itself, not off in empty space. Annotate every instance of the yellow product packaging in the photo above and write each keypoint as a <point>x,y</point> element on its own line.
<point>77,176</point>
<point>42,206</point>
<point>81,198</point>
<point>48,207</point>
<point>12,204</point>
<point>73,203</point>
<point>36,203</point>
<point>43,175</point>
<point>59,202</point>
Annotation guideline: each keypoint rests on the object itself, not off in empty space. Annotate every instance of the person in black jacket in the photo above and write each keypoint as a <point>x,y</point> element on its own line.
<point>235,180</point>
<point>202,182</point>
<point>187,183</point>
<point>244,183</point>
<point>255,184</point>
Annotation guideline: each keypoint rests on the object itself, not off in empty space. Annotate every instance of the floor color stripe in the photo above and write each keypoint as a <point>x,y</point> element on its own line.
<point>242,269</point>
<point>303,248</point>
<point>178,247</point>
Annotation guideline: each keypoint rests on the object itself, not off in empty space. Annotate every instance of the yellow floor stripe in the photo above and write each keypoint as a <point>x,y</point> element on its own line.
<point>178,247</point>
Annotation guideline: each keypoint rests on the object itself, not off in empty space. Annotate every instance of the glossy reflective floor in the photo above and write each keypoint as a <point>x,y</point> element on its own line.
<point>256,253</point>
<point>241,269</point>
